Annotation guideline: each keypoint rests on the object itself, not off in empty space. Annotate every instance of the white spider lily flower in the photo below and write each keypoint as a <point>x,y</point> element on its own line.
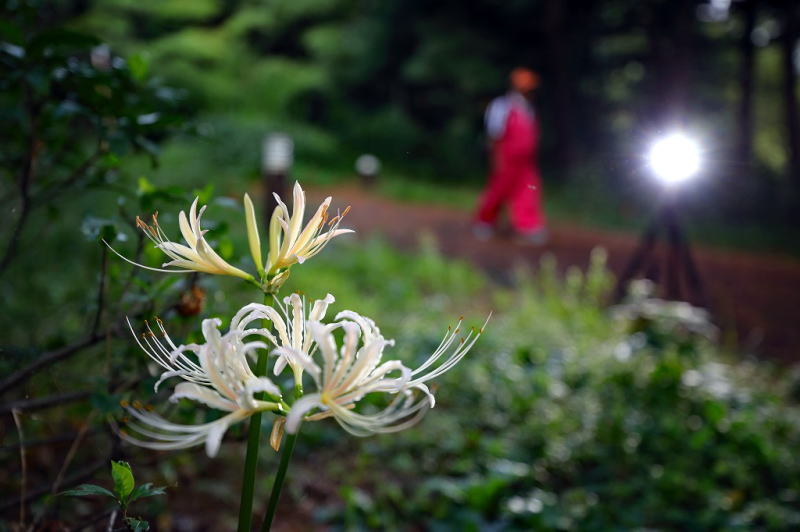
<point>195,255</point>
<point>289,322</point>
<point>350,372</point>
<point>220,378</point>
<point>290,242</point>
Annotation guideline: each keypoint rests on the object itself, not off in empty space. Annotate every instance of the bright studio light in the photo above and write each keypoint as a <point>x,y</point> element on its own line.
<point>674,158</point>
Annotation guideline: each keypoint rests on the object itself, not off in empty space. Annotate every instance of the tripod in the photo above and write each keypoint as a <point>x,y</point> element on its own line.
<point>675,271</point>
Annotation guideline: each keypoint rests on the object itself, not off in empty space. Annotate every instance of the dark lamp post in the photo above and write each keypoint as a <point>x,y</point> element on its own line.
<point>367,167</point>
<point>277,156</point>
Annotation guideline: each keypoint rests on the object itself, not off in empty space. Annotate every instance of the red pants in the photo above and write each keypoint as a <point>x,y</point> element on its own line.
<point>514,183</point>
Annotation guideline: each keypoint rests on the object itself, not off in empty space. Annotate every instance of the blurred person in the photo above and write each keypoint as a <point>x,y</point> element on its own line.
<point>514,181</point>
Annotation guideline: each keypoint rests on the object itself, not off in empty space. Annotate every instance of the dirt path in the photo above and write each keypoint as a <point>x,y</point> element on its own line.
<point>754,297</point>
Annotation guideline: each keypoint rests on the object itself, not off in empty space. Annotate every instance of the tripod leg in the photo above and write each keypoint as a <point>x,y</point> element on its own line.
<point>674,257</point>
<point>643,252</point>
<point>693,276</point>
<point>685,266</point>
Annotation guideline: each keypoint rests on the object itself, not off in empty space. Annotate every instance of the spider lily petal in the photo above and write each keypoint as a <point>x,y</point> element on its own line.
<point>354,369</point>
<point>252,233</point>
<point>347,379</point>
<point>290,243</point>
<point>196,255</point>
<point>216,374</point>
<point>289,321</point>
<point>460,347</point>
<point>166,436</point>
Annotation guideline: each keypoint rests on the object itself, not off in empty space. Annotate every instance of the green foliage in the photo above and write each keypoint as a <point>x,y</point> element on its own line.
<point>565,416</point>
<point>123,480</point>
<point>73,113</point>
<point>137,525</point>
<point>125,492</point>
<point>88,489</point>
<point>409,82</point>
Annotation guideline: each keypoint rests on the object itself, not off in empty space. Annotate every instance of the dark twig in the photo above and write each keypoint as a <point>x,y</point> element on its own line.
<point>25,178</point>
<point>28,405</point>
<point>73,178</point>
<point>11,246</point>
<point>44,489</point>
<point>68,458</point>
<point>111,520</point>
<point>73,449</point>
<point>57,355</point>
<point>89,523</point>
<point>24,465</point>
<point>46,359</point>
<point>28,203</point>
<point>136,258</point>
<point>38,442</point>
<point>101,290</point>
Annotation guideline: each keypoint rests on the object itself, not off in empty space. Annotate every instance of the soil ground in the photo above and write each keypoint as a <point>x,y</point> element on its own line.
<point>753,297</point>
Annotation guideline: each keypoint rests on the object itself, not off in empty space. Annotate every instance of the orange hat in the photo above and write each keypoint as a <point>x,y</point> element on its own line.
<point>524,79</point>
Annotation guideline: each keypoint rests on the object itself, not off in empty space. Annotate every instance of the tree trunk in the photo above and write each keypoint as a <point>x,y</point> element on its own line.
<point>558,47</point>
<point>671,35</point>
<point>788,43</point>
<point>744,142</point>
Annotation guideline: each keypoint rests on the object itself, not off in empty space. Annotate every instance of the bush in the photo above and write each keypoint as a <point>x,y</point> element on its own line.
<point>567,416</point>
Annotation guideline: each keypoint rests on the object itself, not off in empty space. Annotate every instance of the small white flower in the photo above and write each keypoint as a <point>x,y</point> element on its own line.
<point>350,372</point>
<point>290,242</point>
<point>196,255</point>
<point>216,373</point>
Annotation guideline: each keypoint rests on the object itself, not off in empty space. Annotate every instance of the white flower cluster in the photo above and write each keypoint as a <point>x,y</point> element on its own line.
<point>217,374</point>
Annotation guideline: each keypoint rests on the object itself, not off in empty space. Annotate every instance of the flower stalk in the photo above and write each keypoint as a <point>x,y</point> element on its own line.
<point>251,460</point>
<point>280,478</point>
<point>251,457</point>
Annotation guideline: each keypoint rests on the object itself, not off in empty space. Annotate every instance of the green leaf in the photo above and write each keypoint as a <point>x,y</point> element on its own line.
<point>138,66</point>
<point>204,194</point>
<point>123,479</point>
<point>146,490</point>
<point>145,186</point>
<point>11,32</point>
<point>87,489</point>
<point>137,525</point>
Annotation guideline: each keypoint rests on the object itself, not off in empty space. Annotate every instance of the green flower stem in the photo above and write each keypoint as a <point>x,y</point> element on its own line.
<point>280,478</point>
<point>251,459</point>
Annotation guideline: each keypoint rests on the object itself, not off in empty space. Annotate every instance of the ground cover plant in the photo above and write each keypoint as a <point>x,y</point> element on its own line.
<point>570,419</point>
<point>582,420</point>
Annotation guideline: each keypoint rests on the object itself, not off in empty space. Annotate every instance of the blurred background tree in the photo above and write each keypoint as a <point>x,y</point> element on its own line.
<point>409,80</point>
